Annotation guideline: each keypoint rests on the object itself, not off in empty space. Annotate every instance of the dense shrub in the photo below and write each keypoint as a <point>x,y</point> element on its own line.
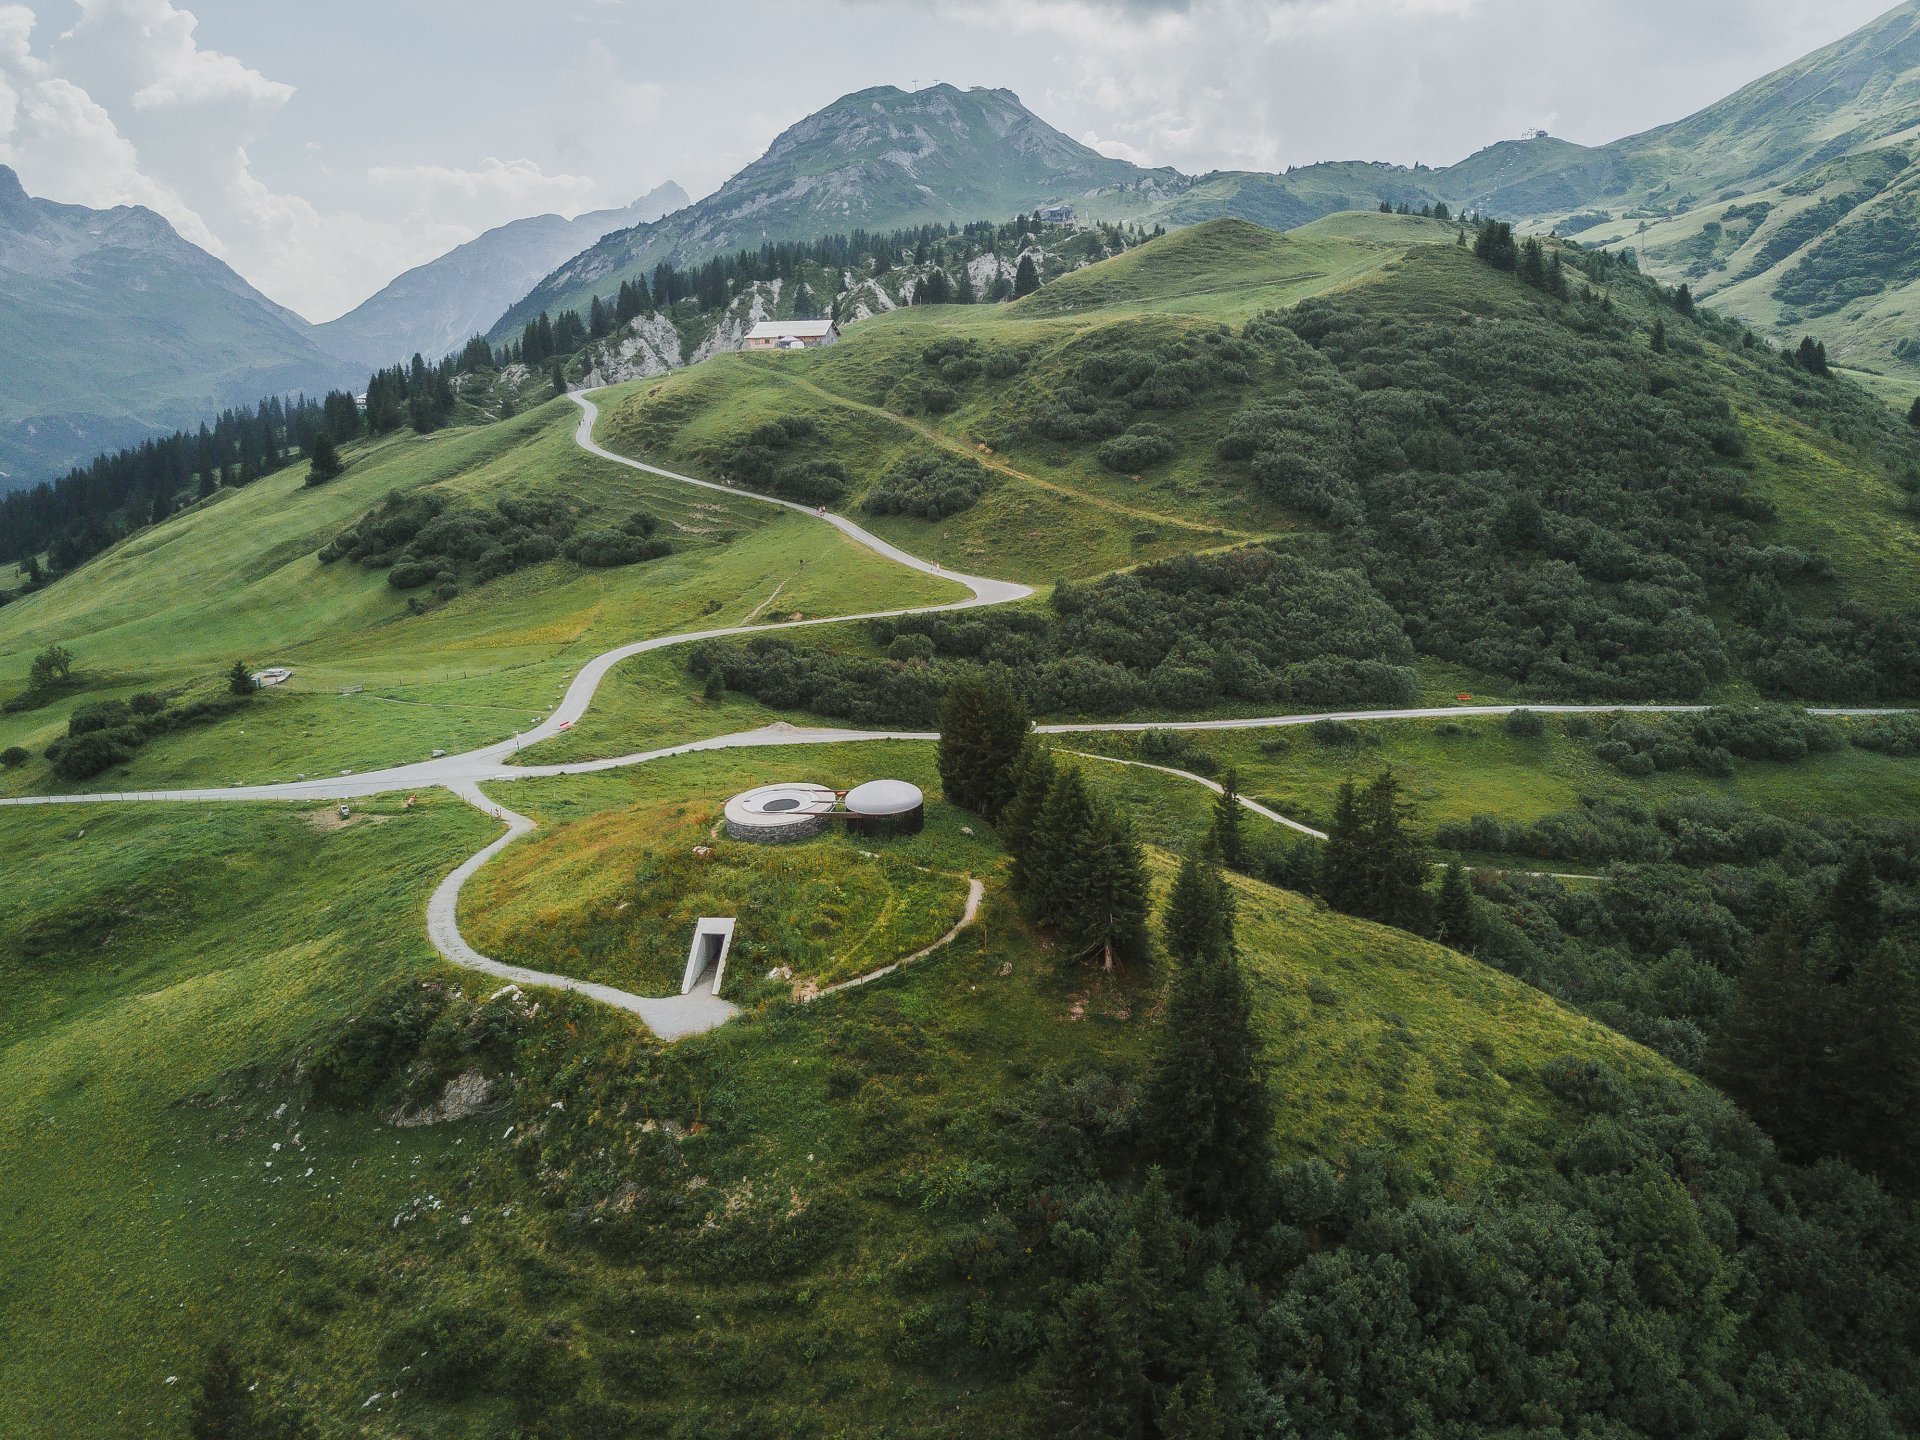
<point>1525,724</point>
<point>1261,625</point>
<point>424,539</point>
<point>1897,735</point>
<point>1140,448</point>
<point>928,484</point>
<point>1709,742</point>
<point>634,541</point>
<point>14,756</point>
<point>104,733</point>
<point>1121,379</point>
<point>1538,496</point>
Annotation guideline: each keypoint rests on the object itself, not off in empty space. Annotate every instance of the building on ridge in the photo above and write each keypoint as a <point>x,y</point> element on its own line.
<point>791,335</point>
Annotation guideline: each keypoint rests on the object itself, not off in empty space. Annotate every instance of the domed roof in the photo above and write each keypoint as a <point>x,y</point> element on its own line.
<point>884,797</point>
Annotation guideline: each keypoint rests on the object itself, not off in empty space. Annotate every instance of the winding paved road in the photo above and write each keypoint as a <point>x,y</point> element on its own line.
<point>463,774</point>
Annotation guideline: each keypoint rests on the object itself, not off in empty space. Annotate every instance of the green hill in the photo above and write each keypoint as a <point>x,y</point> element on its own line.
<point>163,1007</point>
<point>248,1106</point>
<point>1478,448</point>
<point>381,674</point>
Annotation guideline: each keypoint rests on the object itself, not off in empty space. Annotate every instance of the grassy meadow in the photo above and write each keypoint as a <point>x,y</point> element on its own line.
<point>176,1164</point>
<point>238,578</point>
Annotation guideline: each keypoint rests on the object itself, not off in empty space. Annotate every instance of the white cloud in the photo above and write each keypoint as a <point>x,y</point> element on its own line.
<point>1117,150</point>
<point>64,144</point>
<point>510,187</point>
<point>152,44</point>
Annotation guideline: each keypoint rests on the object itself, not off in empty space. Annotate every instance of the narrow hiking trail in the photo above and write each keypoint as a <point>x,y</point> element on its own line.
<point>993,462</point>
<point>672,1017</point>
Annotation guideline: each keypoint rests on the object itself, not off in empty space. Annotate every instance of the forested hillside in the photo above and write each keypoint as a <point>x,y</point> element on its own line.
<point>1539,467</point>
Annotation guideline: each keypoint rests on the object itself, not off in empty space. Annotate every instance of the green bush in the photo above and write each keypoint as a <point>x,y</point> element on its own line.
<point>14,756</point>
<point>1525,724</point>
<point>928,484</point>
<point>1139,449</point>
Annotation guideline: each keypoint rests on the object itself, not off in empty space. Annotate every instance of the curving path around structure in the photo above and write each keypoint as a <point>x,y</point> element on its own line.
<point>676,1016</point>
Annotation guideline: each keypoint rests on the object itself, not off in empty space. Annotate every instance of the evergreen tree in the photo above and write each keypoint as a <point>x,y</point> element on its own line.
<point>1854,910</point>
<point>1913,415</point>
<point>1225,836</point>
<point>965,293</point>
<point>1453,913</point>
<point>1034,770</point>
<point>1533,263</point>
<point>1769,1053</point>
<point>240,679</point>
<point>1683,300</point>
<point>806,305</point>
<point>1063,827</point>
<point>223,1410</point>
<point>983,729</point>
<point>1494,244</point>
<point>1207,1117</point>
<point>1103,897</point>
<point>1372,865</point>
<point>559,378</point>
<point>1095,1365</point>
<point>1026,278</point>
<point>1340,877</point>
<point>1878,1068</point>
<point>326,461</point>
<point>1659,341</point>
<point>1812,355</point>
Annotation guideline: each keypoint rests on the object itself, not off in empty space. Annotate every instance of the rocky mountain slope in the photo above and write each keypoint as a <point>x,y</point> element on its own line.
<point>113,327</point>
<point>875,160</point>
<point>433,308</point>
<point>886,157</point>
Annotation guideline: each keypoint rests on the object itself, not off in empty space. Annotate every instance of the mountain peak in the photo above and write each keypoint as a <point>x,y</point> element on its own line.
<point>16,205</point>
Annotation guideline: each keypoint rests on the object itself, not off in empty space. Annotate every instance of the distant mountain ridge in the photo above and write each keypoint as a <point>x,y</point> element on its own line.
<point>113,327</point>
<point>878,159</point>
<point>885,157</point>
<point>434,308</point>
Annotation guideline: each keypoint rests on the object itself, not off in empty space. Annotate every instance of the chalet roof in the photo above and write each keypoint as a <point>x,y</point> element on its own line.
<point>790,329</point>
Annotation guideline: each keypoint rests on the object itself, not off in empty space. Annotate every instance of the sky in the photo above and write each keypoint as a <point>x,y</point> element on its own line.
<point>322,148</point>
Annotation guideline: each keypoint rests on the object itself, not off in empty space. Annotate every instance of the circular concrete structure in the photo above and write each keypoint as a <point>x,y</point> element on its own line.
<point>886,807</point>
<point>775,814</point>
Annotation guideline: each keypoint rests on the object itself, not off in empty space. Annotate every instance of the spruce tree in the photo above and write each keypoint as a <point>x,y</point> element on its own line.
<point>1207,1119</point>
<point>1340,878</point>
<point>223,1410</point>
<point>1878,1068</point>
<point>240,679</point>
<point>326,461</point>
<point>1102,897</point>
<point>1854,912</point>
<point>559,378</point>
<point>1372,865</point>
<point>1399,867</point>
<point>1453,912</point>
<point>1683,299</point>
<point>1063,827</point>
<point>1095,1365</point>
<point>1659,342</point>
<point>1913,415</point>
<point>1770,1052</point>
<point>1034,770</point>
<point>1026,279</point>
<point>983,729</point>
<point>1226,837</point>
<point>965,292</point>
